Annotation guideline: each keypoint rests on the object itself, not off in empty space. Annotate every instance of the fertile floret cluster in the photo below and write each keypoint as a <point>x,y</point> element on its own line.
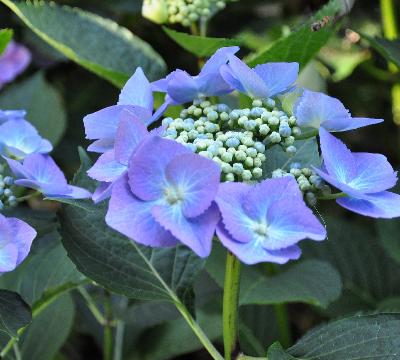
<point>235,139</point>
<point>310,183</point>
<point>7,197</point>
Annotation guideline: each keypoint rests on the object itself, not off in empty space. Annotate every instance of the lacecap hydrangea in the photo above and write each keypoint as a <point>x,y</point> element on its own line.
<point>203,174</point>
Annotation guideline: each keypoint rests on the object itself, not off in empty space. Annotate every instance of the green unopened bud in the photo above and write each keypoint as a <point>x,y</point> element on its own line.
<point>246,175</point>
<point>155,10</point>
<point>257,172</point>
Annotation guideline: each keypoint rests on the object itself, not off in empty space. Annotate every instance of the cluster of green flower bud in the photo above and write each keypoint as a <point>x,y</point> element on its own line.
<point>204,129</point>
<point>311,184</point>
<point>7,197</point>
<point>268,124</point>
<point>184,12</point>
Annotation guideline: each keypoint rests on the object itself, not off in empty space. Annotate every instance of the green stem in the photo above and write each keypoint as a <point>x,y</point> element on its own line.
<point>282,318</point>
<point>198,331</point>
<point>246,357</point>
<point>281,313</point>
<point>307,135</point>
<point>17,352</point>
<point>119,332</point>
<point>29,196</point>
<point>107,332</point>
<point>230,304</point>
<point>90,303</point>
<point>389,19</point>
<point>332,196</point>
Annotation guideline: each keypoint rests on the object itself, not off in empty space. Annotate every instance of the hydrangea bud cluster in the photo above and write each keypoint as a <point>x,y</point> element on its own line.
<point>205,129</point>
<point>310,183</point>
<point>186,12</point>
<point>7,197</point>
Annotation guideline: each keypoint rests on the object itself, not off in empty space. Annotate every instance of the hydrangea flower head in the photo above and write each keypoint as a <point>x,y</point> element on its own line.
<point>264,222</point>
<point>41,173</point>
<point>167,197</point>
<point>113,163</point>
<point>13,61</point>
<point>18,139</point>
<point>315,109</point>
<point>181,87</point>
<point>16,238</point>
<point>364,177</point>
<point>136,97</point>
<point>7,115</point>
<point>264,81</point>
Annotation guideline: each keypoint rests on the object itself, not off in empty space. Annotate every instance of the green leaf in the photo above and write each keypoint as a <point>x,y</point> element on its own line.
<point>43,103</point>
<point>301,45</point>
<point>98,44</point>
<point>117,263</point>
<point>48,331</point>
<point>388,231</point>
<point>307,154</point>
<point>199,45</point>
<point>389,49</point>
<point>374,336</point>
<point>368,274</point>
<point>47,272</point>
<point>313,282</point>
<point>14,313</point>
<point>5,37</point>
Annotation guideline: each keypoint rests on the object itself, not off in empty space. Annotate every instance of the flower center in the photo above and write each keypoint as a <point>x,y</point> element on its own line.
<point>173,195</point>
<point>261,229</point>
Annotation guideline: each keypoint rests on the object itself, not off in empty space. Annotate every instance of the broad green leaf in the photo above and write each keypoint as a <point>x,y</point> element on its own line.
<point>388,231</point>
<point>199,45</point>
<point>98,44</point>
<point>43,103</point>
<point>119,264</point>
<point>5,38</point>
<point>368,274</point>
<point>48,331</point>
<point>374,336</point>
<point>14,313</point>
<point>276,158</point>
<point>301,45</point>
<point>312,282</point>
<point>389,49</point>
<point>47,272</point>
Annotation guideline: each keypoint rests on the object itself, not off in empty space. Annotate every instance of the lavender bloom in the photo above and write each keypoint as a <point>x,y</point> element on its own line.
<point>136,97</point>
<point>264,81</point>
<point>264,222</point>
<point>13,61</point>
<point>166,197</point>
<point>41,173</point>
<point>113,163</point>
<point>16,238</point>
<point>8,115</point>
<point>364,177</point>
<point>181,87</point>
<point>316,110</point>
<point>18,139</point>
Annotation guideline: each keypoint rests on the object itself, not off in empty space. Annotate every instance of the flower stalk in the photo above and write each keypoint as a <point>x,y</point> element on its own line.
<point>230,304</point>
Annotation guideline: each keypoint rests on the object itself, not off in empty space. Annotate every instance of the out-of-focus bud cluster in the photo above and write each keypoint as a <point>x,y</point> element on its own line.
<point>184,12</point>
<point>7,197</point>
<point>311,185</point>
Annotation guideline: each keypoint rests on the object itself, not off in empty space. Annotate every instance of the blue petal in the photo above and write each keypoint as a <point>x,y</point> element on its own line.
<point>214,63</point>
<point>137,91</point>
<point>102,192</point>
<point>197,178</point>
<point>345,124</point>
<point>148,165</point>
<point>384,204</point>
<point>253,253</point>
<point>106,168</point>
<point>182,87</point>
<point>243,78</point>
<point>338,159</point>
<point>23,235</point>
<point>196,233</point>
<point>132,217</point>
<point>279,76</point>
<point>8,257</point>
